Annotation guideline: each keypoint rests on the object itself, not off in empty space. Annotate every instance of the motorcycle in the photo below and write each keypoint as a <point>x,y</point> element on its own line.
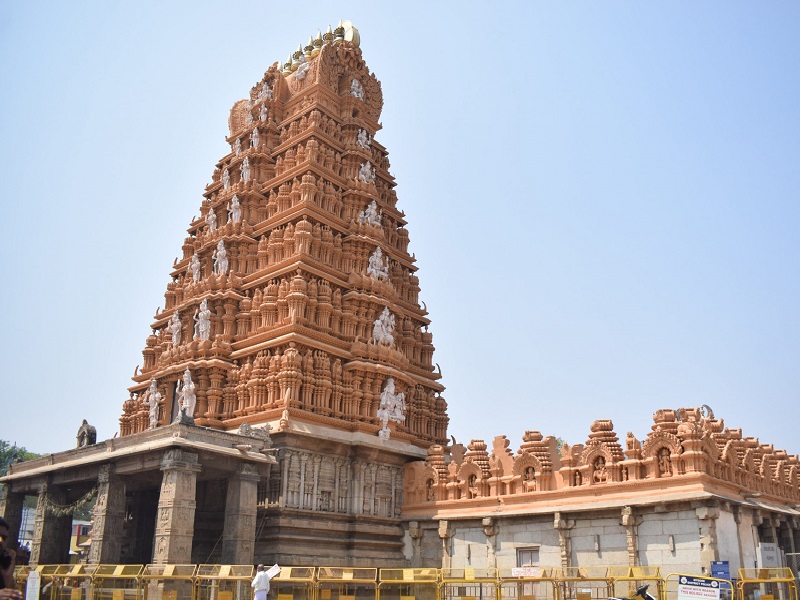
<point>641,592</point>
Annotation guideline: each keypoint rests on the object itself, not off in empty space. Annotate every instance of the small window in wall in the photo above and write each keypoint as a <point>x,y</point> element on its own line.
<point>528,557</point>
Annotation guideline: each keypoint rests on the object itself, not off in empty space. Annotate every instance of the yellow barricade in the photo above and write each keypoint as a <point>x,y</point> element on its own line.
<point>527,583</point>
<point>766,584</point>
<point>294,583</point>
<point>582,583</point>
<point>117,582</point>
<point>626,580</point>
<point>408,584</point>
<point>167,582</point>
<point>347,583</point>
<point>223,582</point>
<point>469,583</point>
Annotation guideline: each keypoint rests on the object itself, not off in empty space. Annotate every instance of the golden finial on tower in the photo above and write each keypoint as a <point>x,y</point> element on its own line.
<point>338,33</point>
<point>317,44</point>
<point>287,66</point>
<point>328,37</point>
<point>309,47</point>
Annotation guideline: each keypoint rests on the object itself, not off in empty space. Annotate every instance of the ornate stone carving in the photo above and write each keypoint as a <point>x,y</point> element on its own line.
<point>220,258</point>
<point>371,215</point>
<point>363,139</point>
<point>391,408</point>
<point>87,435</point>
<point>356,89</point>
<point>378,267</point>
<point>234,211</point>
<point>175,328</point>
<point>226,179</point>
<point>383,328</point>
<point>195,268</point>
<point>154,402</point>
<point>246,169</point>
<point>187,395</point>
<point>366,173</point>
<point>202,322</point>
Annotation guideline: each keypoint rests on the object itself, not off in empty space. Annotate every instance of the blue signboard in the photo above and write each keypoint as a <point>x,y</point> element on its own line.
<point>721,569</point>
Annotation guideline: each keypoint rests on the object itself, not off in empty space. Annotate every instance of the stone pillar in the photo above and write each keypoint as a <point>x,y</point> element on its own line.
<point>176,506</point>
<point>563,525</point>
<point>415,532</point>
<point>11,510</point>
<point>108,518</point>
<point>707,516</point>
<point>445,533</point>
<point>241,506</point>
<point>629,522</point>
<point>50,544</point>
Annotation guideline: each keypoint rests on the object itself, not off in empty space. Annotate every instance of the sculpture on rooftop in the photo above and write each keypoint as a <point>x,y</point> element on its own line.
<point>187,397</point>
<point>195,268</point>
<point>370,215</point>
<point>363,139</point>
<point>246,169</point>
<point>356,89</point>
<point>175,329</point>
<point>383,328</point>
<point>220,257</point>
<point>262,114</point>
<point>391,408</point>
<point>202,322</point>
<point>234,210</point>
<point>87,435</point>
<point>302,68</point>
<point>211,220</point>
<point>153,401</point>
<point>378,267</point>
<point>237,147</point>
<point>254,138</point>
<point>265,93</point>
<point>366,173</point>
<point>226,179</point>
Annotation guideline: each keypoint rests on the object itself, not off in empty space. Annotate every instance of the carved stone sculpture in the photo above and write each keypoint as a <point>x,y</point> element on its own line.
<point>356,90</point>
<point>226,179</point>
<point>246,169</point>
<point>175,329</point>
<point>371,215</point>
<point>363,139</point>
<point>220,257</point>
<point>254,139</point>
<point>366,173</point>
<point>302,68</point>
<point>195,268</point>
<point>234,210</point>
<point>187,396</point>
<point>153,401</point>
<point>237,147</point>
<point>262,114</point>
<point>87,435</point>
<point>392,408</point>
<point>383,328</point>
<point>378,267</point>
<point>211,220</point>
<point>202,322</point>
<point>265,93</point>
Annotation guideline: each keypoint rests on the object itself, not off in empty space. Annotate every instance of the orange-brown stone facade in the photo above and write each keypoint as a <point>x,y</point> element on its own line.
<point>688,451</point>
<point>295,297</point>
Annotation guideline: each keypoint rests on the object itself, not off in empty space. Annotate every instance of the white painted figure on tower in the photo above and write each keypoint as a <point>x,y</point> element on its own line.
<point>175,329</point>
<point>356,90</point>
<point>226,179</point>
<point>195,268</point>
<point>265,93</point>
<point>262,114</point>
<point>237,147</point>
<point>234,210</point>
<point>363,139</point>
<point>211,220</point>
<point>391,408</point>
<point>187,395</point>
<point>378,267</point>
<point>153,400</point>
<point>366,173</point>
<point>383,328</point>
<point>302,68</point>
<point>220,257</point>
<point>246,169</point>
<point>202,322</point>
<point>254,138</point>
<point>371,215</point>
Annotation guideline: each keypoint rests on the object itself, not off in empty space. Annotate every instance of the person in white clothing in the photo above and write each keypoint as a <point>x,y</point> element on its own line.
<point>260,583</point>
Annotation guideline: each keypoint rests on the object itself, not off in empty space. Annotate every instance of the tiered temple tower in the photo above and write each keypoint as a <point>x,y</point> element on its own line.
<point>295,306</point>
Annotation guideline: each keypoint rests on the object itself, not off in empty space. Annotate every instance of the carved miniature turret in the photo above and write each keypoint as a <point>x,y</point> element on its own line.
<point>296,298</point>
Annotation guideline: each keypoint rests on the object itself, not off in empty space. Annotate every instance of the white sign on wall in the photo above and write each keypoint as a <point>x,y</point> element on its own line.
<point>768,555</point>
<point>697,588</point>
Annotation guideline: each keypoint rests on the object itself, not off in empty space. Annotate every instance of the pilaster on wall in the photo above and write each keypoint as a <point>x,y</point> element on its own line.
<point>709,550</point>
<point>50,543</point>
<point>563,525</point>
<point>108,518</point>
<point>415,533</point>
<point>630,522</point>
<point>490,530</point>
<point>445,533</point>
<point>176,508</point>
<point>11,510</point>
<point>241,506</point>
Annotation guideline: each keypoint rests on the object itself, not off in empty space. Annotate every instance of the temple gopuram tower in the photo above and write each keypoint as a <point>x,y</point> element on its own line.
<point>294,309</point>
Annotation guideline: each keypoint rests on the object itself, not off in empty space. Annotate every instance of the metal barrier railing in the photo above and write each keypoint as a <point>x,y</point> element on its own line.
<point>673,581</point>
<point>232,582</point>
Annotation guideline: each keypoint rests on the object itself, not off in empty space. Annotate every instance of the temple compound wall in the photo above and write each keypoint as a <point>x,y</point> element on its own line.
<point>693,492</point>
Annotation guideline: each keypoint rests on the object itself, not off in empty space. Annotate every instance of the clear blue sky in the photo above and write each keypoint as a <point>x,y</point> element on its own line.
<point>602,198</point>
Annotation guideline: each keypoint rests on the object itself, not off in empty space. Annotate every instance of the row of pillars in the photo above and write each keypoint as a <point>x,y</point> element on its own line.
<point>175,515</point>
